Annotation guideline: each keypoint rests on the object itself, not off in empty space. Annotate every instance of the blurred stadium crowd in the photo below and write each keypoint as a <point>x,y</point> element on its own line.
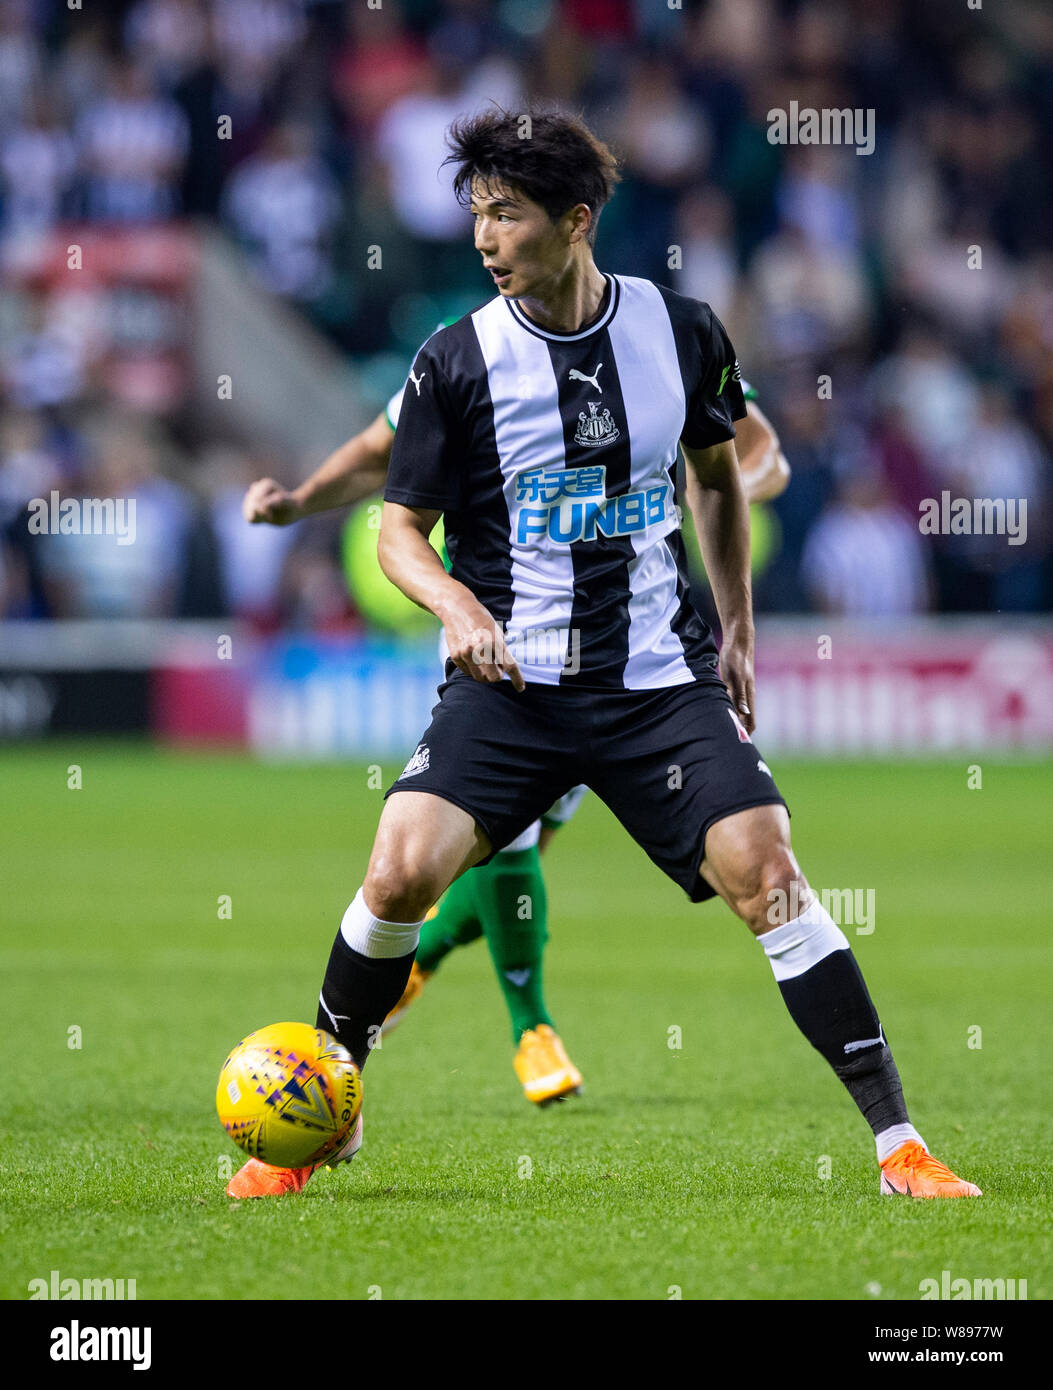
<point>822,262</point>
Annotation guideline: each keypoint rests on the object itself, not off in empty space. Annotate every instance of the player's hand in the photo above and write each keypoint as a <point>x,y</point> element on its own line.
<point>268,501</point>
<point>736,669</point>
<point>478,648</point>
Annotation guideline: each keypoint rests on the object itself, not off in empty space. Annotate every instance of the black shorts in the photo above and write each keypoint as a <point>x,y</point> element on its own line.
<point>669,763</point>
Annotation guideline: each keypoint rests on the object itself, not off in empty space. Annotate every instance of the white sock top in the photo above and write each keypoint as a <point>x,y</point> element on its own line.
<point>370,936</point>
<point>796,946</point>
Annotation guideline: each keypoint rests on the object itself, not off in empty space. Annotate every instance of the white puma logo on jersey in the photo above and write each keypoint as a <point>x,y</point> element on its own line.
<point>417,380</point>
<point>575,375</point>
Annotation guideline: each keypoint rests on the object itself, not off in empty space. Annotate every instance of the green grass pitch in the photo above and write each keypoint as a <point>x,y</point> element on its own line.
<point>732,1167</point>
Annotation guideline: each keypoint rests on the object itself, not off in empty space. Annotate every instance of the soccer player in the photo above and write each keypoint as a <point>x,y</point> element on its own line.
<point>488,902</point>
<point>544,428</point>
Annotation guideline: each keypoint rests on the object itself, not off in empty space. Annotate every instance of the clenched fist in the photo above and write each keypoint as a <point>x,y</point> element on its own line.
<point>268,501</point>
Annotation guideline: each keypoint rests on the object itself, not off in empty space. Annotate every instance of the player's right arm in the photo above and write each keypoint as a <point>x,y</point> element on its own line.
<point>354,471</point>
<point>425,480</point>
<point>475,641</point>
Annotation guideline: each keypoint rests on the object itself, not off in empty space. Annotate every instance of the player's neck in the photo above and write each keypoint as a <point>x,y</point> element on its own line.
<point>571,302</point>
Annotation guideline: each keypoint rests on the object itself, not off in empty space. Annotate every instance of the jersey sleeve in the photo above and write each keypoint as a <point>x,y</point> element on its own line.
<point>718,400</point>
<point>424,469</point>
<point>394,405</point>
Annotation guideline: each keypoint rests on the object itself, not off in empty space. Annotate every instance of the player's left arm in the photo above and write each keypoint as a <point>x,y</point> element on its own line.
<point>718,503</point>
<point>765,472</point>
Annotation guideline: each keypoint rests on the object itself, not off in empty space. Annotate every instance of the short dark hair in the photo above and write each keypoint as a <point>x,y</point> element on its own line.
<point>559,164</point>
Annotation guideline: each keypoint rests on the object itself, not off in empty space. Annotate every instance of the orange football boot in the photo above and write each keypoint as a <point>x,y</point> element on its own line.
<point>543,1067</point>
<point>256,1179</point>
<point>913,1172</point>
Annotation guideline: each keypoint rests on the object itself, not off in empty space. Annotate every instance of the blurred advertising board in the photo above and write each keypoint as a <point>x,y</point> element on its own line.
<point>824,688</point>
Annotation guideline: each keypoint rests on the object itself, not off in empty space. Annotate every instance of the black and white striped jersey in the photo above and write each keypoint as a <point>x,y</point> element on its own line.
<point>553,458</point>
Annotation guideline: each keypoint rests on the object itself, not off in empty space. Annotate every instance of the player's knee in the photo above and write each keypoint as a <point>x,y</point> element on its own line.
<point>399,887</point>
<point>775,892</point>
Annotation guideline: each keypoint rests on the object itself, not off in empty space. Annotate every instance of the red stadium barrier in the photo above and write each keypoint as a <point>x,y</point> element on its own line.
<point>832,688</point>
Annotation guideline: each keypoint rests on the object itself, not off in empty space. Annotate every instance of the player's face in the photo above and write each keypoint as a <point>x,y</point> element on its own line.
<point>524,251</point>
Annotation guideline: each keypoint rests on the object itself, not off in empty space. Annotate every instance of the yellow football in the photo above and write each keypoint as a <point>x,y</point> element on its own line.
<point>289,1095</point>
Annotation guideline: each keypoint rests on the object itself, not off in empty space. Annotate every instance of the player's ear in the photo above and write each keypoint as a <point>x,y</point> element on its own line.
<point>580,221</point>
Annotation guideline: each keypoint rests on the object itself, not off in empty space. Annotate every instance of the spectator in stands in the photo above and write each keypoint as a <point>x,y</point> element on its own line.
<point>809,437</point>
<point>94,576</point>
<point>282,204</point>
<point>167,37</point>
<point>133,143</point>
<point>864,559</point>
<point>37,165</point>
<point>251,558</point>
<point>705,233</point>
<point>933,389</point>
<point>21,62</point>
<point>1004,460</point>
<point>410,144</point>
<point>256,40</point>
<point>380,63</point>
<point>42,365</point>
<point>29,466</point>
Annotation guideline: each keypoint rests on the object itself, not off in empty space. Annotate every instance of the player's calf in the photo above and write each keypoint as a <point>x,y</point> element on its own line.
<point>750,863</point>
<point>422,843</point>
<point>824,990</point>
<point>368,967</point>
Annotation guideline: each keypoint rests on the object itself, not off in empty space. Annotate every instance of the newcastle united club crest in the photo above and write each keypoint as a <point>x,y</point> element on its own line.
<point>594,430</point>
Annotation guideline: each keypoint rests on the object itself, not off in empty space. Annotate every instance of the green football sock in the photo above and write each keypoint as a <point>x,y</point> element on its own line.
<point>512,905</point>
<point>456,924</point>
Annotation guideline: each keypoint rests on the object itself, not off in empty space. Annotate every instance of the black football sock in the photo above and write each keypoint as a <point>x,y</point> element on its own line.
<point>357,995</point>
<point>832,1008</point>
<point>827,998</point>
<point>362,986</point>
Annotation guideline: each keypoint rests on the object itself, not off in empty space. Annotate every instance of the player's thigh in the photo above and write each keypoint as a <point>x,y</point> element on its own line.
<point>423,843</point>
<point>677,762</point>
<point>501,755</point>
